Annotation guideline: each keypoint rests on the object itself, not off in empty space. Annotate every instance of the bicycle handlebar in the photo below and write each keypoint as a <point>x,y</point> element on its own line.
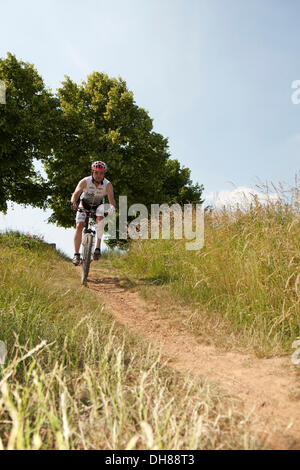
<point>91,211</point>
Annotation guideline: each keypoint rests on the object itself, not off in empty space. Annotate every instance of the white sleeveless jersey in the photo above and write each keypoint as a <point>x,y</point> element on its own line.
<point>93,194</point>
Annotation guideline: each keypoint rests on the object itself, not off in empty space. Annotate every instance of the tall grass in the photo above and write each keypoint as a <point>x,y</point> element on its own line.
<point>73,379</point>
<point>244,281</point>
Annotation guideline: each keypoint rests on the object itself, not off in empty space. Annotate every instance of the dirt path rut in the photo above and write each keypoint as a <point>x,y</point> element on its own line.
<point>269,388</point>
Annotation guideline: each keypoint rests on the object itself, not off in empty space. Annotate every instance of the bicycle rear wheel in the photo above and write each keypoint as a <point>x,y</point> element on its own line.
<point>86,257</point>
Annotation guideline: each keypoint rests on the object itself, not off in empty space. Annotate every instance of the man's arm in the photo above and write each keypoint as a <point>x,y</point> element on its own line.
<point>78,190</point>
<point>110,195</point>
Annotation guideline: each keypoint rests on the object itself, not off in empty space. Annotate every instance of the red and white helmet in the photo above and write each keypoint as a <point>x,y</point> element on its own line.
<point>99,166</point>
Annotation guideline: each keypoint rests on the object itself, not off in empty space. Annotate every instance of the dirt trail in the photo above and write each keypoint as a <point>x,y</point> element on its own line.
<point>267,387</point>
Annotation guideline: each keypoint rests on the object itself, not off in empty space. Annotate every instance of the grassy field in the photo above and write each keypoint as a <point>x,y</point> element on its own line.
<point>73,379</point>
<point>242,290</point>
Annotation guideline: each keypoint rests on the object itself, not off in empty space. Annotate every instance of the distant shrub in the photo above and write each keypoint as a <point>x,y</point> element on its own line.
<point>17,239</point>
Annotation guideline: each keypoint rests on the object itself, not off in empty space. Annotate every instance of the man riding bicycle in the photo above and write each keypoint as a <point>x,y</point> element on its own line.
<point>92,191</point>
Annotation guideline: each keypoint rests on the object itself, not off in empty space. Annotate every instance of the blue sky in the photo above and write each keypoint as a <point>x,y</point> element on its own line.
<point>215,75</point>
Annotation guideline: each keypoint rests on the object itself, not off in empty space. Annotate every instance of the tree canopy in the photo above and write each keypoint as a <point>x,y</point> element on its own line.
<point>28,124</point>
<point>95,120</point>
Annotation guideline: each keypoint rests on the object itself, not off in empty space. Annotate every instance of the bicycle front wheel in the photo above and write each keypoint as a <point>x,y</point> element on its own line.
<point>86,257</point>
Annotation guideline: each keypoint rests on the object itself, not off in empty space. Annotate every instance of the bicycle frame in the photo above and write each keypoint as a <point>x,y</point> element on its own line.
<point>88,239</point>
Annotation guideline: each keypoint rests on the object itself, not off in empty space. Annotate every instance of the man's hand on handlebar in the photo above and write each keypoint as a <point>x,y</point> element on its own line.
<point>73,205</point>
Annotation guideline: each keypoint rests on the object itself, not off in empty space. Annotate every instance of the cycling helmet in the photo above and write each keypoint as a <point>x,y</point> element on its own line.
<point>98,166</point>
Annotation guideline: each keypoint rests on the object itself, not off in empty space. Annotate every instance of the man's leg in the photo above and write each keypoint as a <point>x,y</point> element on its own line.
<point>78,236</point>
<point>77,242</point>
<point>100,230</point>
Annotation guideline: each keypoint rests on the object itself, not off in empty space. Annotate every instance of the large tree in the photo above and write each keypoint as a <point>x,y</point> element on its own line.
<point>177,185</point>
<point>96,120</point>
<point>28,127</point>
<point>101,121</point>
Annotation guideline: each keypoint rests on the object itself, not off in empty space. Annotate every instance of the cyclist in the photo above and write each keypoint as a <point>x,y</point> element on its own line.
<point>92,191</point>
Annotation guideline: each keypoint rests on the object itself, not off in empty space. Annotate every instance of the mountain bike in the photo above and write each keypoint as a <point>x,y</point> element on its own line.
<point>88,240</point>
